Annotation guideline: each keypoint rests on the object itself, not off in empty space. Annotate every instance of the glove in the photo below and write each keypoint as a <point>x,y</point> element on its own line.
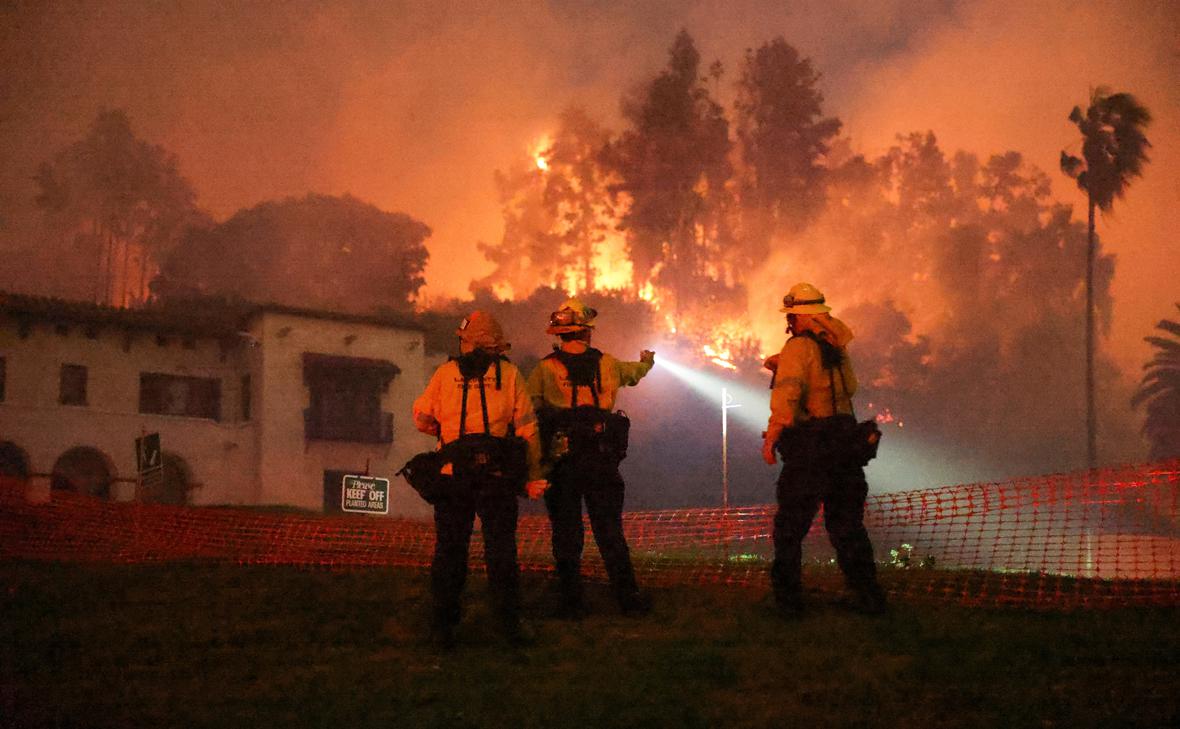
<point>647,356</point>
<point>771,363</point>
<point>769,439</point>
<point>768,452</point>
<point>426,424</point>
<point>536,488</point>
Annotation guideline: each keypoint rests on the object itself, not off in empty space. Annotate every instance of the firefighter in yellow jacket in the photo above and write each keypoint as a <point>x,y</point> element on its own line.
<point>810,407</point>
<point>574,391</point>
<point>479,409</point>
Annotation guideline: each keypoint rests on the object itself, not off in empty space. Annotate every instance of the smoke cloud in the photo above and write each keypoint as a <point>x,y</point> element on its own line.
<point>413,105</point>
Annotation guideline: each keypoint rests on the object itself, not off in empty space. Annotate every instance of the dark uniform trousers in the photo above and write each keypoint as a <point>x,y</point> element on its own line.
<point>453,522</point>
<point>601,485</point>
<point>803,485</point>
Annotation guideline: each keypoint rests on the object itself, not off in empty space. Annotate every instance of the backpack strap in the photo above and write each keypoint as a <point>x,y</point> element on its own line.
<point>483,398</point>
<point>577,366</point>
<point>832,360</point>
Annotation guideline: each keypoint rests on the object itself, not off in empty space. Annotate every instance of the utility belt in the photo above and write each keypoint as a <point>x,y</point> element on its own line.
<point>479,462</point>
<point>838,439</point>
<point>583,433</point>
<point>483,457</point>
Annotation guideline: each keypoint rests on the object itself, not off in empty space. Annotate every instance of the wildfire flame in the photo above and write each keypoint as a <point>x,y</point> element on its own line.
<point>539,151</point>
<point>719,357</point>
<point>886,417</point>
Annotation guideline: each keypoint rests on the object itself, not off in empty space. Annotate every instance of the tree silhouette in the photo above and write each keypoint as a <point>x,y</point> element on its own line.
<point>120,203</point>
<point>783,138</point>
<point>317,251</point>
<point>673,164</point>
<point>1114,150</point>
<point>1160,392</point>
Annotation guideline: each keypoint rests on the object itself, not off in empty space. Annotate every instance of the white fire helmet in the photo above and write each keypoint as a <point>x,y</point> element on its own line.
<point>571,316</point>
<point>803,298</point>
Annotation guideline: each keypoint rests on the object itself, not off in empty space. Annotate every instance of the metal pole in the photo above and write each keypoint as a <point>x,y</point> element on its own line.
<point>724,448</point>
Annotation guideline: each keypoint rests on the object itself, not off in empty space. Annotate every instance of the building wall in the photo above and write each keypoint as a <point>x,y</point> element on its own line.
<point>265,460</point>
<point>291,467</point>
<point>221,457</point>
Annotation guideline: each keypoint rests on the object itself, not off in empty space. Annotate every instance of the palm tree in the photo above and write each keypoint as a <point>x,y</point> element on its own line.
<point>1114,150</point>
<point>1160,389</point>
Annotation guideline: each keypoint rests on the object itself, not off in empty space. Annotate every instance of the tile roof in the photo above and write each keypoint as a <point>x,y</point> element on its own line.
<point>205,317</point>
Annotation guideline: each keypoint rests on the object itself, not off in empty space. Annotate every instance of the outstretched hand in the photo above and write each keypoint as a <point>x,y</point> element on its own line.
<point>647,356</point>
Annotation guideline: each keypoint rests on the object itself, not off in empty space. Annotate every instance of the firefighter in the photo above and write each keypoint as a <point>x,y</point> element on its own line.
<point>810,406</point>
<point>574,391</point>
<point>478,408</point>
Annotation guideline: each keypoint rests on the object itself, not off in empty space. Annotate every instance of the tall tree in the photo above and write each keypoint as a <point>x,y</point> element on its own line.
<point>1159,392</point>
<point>558,213</point>
<point>119,200</point>
<point>783,138</point>
<point>1114,150</point>
<point>319,251</point>
<point>673,166</point>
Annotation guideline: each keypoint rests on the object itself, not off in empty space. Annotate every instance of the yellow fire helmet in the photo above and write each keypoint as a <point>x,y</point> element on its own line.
<point>571,316</point>
<point>481,330</point>
<point>803,298</point>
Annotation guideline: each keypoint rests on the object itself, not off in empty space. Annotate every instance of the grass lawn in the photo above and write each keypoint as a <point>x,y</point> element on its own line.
<point>226,646</point>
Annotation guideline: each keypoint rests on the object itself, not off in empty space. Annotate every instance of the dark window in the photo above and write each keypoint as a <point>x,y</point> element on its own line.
<point>346,398</point>
<point>245,397</point>
<point>3,377</point>
<point>73,385</point>
<point>193,397</point>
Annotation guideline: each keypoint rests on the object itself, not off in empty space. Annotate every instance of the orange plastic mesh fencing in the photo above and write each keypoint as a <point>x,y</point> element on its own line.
<point>1106,537</point>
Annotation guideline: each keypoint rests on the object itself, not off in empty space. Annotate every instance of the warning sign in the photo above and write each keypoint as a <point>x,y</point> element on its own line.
<point>365,495</point>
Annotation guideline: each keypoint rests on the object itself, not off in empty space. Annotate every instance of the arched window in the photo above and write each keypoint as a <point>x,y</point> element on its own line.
<point>14,466</point>
<point>83,470</point>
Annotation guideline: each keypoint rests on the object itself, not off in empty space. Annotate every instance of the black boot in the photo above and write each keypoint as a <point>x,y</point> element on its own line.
<point>571,601</point>
<point>789,603</point>
<point>517,633</point>
<point>870,600</point>
<point>634,603</point>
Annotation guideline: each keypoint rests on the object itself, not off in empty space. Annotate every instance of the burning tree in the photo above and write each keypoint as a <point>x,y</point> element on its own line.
<point>559,218</point>
<point>673,168</point>
<point>961,274</point>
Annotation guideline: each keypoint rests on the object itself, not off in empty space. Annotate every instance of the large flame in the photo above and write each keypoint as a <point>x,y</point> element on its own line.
<point>541,151</point>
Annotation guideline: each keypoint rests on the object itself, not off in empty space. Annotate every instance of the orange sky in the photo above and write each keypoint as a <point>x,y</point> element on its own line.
<point>413,105</point>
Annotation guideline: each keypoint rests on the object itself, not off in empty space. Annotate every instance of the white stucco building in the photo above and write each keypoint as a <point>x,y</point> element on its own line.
<point>254,404</point>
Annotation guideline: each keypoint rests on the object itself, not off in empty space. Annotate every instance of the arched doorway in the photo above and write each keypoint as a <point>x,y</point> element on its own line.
<point>14,466</point>
<point>170,486</point>
<point>83,470</point>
